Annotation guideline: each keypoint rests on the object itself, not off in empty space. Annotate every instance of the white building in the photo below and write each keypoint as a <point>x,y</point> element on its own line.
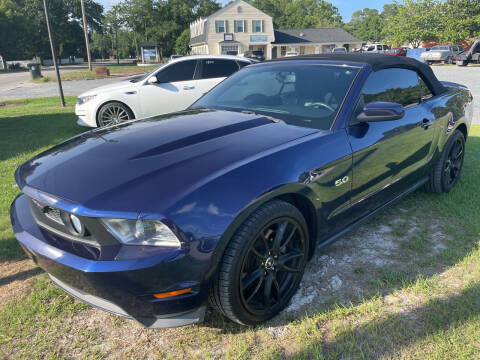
<point>239,27</point>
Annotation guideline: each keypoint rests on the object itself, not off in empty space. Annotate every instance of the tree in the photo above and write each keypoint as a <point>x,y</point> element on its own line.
<point>459,20</point>
<point>182,45</point>
<point>367,25</point>
<point>416,22</point>
<point>300,13</point>
<point>24,32</point>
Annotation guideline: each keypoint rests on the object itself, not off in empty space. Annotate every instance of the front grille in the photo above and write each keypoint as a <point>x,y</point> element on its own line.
<point>53,223</point>
<point>50,212</point>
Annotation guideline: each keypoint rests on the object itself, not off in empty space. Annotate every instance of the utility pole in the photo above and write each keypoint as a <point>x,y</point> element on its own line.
<point>54,56</point>
<point>85,30</point>
<point>116,26</point>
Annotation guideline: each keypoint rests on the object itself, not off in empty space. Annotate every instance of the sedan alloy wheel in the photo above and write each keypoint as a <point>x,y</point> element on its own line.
<point>113,113</point>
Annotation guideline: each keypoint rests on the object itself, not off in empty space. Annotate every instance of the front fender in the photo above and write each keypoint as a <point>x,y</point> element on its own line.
<point>210,215</point>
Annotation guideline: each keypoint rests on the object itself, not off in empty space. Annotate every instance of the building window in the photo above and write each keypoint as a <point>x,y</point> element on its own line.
<point>257,26</point>
<point>239,9</point>
<point>220,26</point>
<point>229,49</point>
<point>283,51</point>
<point>302,50</point>
<point>239,26</point>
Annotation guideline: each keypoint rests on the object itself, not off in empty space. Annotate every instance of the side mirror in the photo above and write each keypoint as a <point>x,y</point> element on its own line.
<point>381,111</point>
<point>152,80</point>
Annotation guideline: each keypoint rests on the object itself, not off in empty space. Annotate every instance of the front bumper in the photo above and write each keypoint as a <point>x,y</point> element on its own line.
<point>122,287</point>
<point>86,115</point>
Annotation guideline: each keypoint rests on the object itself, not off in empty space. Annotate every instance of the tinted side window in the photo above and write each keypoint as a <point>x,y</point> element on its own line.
<point>215,68</point>
<point>181,71</point>
<point>393,85</point>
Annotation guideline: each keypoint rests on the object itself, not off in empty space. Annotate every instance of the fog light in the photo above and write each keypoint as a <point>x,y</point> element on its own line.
<point>77,225</point>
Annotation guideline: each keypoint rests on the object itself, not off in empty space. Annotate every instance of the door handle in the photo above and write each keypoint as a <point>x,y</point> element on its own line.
<point>426,124</point>
<point>186,87</point>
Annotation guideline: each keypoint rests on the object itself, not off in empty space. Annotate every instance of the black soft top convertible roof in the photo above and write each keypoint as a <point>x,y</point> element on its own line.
<point>381,61</point>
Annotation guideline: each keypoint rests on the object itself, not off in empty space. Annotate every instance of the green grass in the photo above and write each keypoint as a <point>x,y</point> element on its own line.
<point>27,127</point>
<point>115,70</point>
<point>429,310</point>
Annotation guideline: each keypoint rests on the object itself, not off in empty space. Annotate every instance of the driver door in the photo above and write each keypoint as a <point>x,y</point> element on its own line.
<point>389,156</point>
<point>175,90</point>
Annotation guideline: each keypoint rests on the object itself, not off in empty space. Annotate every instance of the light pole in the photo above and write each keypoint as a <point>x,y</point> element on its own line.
<point>54,56</point>
<point>85,30</point>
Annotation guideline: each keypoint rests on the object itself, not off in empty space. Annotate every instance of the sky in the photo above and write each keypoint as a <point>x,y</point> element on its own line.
<point>346,7</point>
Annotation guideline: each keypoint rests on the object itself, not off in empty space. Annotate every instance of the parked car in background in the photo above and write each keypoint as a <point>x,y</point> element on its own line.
<point>339,50</point>
<point>469,56</point>
<point>171,87</point>
<point>375,48</point>
<point>255,55</point>
<point>291,54</point>
<point>227,201</point>
<point>441,53</point>
<point>397,52</point>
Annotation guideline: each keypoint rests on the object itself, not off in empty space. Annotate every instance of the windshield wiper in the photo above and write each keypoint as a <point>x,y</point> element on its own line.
<point>249,112</point>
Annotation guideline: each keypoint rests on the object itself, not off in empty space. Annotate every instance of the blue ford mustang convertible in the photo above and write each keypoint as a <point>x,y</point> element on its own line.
<point>227,201</point>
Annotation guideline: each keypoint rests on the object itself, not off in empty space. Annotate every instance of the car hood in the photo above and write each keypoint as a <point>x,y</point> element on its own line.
<point>120,85</point>
<point>148,165</point>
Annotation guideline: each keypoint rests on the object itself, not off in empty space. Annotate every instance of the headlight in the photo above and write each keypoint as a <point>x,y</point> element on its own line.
<point>142,232</point>
<point>84,99</point>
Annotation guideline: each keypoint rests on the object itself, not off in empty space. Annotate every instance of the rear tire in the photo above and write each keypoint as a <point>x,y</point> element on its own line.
<point>263,264</point>
<point>447,170</point>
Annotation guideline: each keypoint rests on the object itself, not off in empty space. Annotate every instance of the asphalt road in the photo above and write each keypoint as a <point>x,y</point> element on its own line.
<point>17,85</point>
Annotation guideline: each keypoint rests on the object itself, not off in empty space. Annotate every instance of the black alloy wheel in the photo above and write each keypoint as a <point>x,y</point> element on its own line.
<point>271,266</point>
<point>446,172</point>
<point>263,264</point>
<point>453,163</point>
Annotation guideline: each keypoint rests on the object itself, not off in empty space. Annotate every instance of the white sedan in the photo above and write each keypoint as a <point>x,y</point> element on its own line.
<point>171,87</point>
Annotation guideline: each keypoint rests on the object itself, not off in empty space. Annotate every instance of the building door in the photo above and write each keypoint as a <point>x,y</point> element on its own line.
<point>274,52</point>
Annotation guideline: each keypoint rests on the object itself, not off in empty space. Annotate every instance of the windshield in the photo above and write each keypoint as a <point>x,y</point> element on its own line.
<point>298,94</point>
<point>440,48</point>
<point>144,76</point>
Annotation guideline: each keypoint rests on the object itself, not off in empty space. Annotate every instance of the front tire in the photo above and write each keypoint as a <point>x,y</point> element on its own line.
<point>263,264</point>
<point>113,113</point>
<point>447,170</point>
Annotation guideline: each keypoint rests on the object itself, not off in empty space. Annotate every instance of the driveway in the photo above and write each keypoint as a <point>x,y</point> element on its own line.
<point>468,76</point>
<point>17,85</point>
<point>25,89</point>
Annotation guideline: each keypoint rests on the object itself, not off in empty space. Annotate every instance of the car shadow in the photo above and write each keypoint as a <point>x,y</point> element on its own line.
<point>23,275</point>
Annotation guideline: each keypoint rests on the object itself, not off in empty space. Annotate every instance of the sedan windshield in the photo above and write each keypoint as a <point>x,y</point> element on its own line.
<point>297,94</point>
<point>145,76</point>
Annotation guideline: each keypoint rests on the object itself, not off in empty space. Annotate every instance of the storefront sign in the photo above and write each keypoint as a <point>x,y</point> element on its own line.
<point>228,37</point>
<point>258,38</point>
